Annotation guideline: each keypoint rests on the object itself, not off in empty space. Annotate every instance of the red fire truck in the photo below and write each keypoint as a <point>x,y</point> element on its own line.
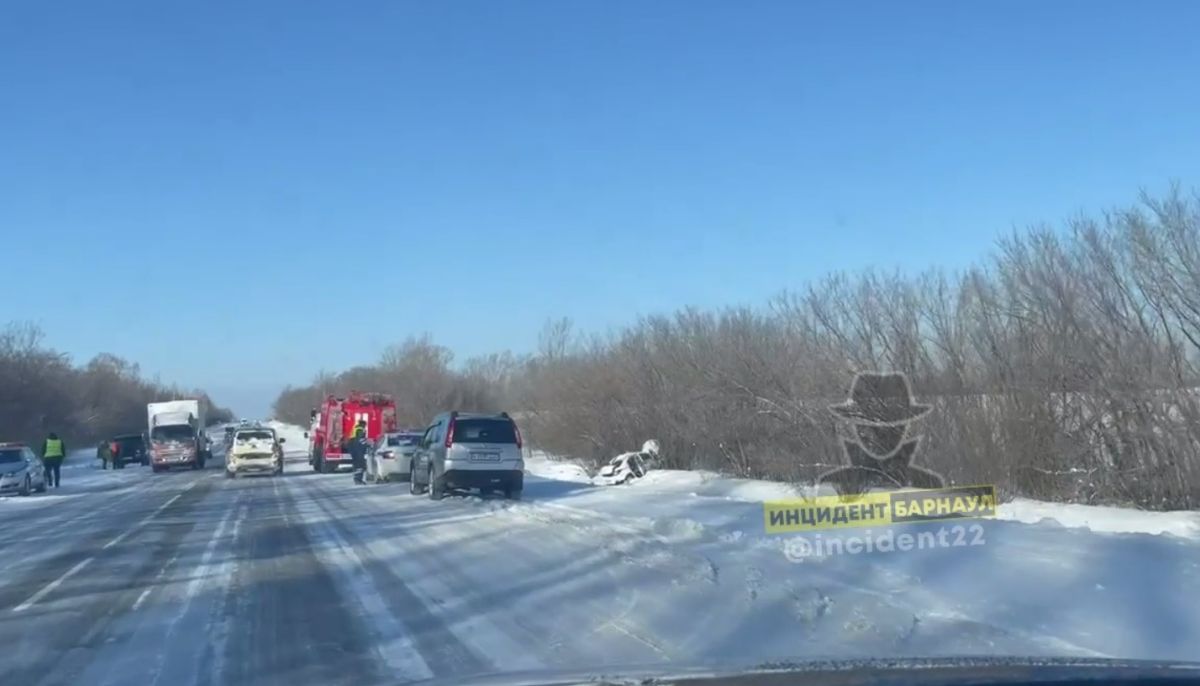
<point>334,421</point>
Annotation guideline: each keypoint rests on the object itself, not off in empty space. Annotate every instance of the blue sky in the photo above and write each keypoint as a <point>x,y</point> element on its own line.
<point>237,195</point>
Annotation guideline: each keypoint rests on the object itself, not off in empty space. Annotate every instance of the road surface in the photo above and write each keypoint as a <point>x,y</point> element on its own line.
<point>192,578</point>
<point>189,578</point>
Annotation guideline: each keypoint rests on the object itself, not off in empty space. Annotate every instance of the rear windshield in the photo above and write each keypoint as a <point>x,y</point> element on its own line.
<point>175,432</point>
<point>254,436</point>
<point>130,441</point>
<point>407,439</point>
<point>484,431</point>
<point>11,455</point>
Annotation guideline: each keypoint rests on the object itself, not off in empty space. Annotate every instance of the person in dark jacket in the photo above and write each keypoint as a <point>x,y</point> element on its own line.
<point>358,451</point>
<point>53,452</point>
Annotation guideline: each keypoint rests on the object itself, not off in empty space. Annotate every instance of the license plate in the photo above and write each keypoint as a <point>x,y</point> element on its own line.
<point>485,457</point>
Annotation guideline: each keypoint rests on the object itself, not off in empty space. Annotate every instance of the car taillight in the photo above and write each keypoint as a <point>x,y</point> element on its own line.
<point>450,434</point>
<point>517,433</point>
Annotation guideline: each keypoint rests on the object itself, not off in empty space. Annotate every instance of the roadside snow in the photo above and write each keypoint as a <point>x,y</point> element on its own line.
<point>677,567</point>
<point>654,495</point>
<point>295,442</point>
<point>1101,519</point>
<point>1045,578</point>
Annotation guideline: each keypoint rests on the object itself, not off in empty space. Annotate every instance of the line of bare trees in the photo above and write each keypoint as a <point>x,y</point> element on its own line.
<point>1065,367</point>
<point>41,391</point>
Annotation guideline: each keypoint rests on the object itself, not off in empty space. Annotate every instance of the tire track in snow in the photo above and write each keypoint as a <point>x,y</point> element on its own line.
<point>74,631</point>
<point>410,655</point>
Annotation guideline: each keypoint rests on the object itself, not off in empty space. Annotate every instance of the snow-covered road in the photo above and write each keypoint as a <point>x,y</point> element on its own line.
<point>189,578</point>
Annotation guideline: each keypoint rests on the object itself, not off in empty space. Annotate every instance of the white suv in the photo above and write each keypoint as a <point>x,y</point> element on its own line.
<point>463,451</point>
<point>254,450</point>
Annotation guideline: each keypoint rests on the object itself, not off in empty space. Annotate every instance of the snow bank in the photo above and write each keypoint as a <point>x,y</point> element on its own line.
<point>1043,578</point>
<point>723,501</point>
<point>296,444</point>
<point>1101,518</point>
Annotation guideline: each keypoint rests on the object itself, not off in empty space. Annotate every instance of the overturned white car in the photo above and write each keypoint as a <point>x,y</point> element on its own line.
<point>628,466</point>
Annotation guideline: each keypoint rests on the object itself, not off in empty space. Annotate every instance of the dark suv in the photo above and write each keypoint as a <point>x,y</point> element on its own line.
<point>131,449</point>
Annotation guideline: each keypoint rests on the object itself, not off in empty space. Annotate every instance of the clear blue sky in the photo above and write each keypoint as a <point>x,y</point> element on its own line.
<point>238,194</point>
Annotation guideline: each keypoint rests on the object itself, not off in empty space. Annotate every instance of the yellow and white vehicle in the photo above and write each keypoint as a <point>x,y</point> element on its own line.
<point>254,450</point>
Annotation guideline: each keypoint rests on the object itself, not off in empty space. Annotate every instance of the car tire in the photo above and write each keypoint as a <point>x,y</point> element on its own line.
<point>414,487</point>
<point>42,486</point>
<point>156,469</point>
<point>228,474</point>
<point>437,486</point>
<point>512,493</point>
<point>27,486</point>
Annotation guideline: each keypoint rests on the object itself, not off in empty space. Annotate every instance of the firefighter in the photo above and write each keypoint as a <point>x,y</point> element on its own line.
<point>53,452</point>
<point>358,451</point>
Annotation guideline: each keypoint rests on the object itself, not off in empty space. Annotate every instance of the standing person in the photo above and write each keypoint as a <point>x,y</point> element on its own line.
<point>105,452</point>
<point>53,452</point>
<point>358,451</point>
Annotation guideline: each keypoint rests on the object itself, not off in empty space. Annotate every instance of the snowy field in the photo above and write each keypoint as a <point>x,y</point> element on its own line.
<point>307,578</point>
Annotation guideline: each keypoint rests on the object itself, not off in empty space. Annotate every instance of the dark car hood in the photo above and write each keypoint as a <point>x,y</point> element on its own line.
<point>927,672</point>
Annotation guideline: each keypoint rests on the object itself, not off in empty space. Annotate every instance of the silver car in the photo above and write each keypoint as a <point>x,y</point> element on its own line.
<point>469,451</point>
<point>21,471</point>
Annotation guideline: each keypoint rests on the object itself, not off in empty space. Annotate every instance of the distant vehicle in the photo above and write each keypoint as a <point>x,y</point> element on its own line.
<point>131,449</point>
<point>628,466</point>
<point>392,455</point>
<point>21,470</point>
<point>254,450</point>
<point>334,423</point>
<point>460,450</point>
<point>176,431</point>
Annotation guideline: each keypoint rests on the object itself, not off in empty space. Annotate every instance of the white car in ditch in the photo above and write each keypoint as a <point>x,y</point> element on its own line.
<point>254,450</point>
<point>627,467</point>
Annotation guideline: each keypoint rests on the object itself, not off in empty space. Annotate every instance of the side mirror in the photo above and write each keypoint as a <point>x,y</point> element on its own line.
<point>283,440</point>
<point>306,434</point>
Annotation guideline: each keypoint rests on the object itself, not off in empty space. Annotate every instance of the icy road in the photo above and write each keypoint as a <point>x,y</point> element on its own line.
<point>189,578</point>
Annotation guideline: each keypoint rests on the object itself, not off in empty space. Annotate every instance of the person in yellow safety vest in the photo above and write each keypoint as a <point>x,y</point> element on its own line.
<point>53,452</point>
<point>358,450</point>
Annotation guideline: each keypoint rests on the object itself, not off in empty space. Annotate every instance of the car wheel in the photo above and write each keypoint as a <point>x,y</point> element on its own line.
<point>228,474</point>
<point>27,487</point>
<point>512,493</point>
<point>414,487</point>
<point>437,487</point>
